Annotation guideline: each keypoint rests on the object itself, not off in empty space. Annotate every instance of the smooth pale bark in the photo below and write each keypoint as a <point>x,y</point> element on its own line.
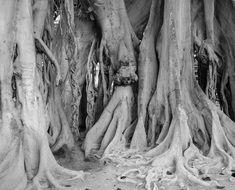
<point>107,134</point>
<point>147,73</point>
<point>138,13</point>
<point>12,173</point>
<point>40,165</point>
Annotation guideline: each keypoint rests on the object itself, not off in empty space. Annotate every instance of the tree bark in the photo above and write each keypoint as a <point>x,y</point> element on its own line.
<point>11,131</point>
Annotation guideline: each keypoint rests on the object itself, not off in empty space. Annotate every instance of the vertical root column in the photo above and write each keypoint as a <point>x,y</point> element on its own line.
<point>109,129</point>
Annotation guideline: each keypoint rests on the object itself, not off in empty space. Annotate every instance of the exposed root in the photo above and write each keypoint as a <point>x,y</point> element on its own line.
<point>109,129</point>
<point>50,174</point>
<point>104,83</point>
<point>177,160</point>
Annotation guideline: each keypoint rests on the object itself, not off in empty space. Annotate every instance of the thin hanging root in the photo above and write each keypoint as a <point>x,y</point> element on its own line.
<point>211,53</point>
<point>90,88</point>
<point>105,98</point>
<point>43,47</point>
<point>45,76</point>
<point>224,82</point>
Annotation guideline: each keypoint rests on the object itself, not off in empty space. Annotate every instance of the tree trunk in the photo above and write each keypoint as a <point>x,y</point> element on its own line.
<point>29,153</point>
<point>166,125</point>
<point>11,149</point>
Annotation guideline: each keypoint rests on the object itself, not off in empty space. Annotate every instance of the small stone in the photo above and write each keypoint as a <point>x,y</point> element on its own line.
<point>123,177</point>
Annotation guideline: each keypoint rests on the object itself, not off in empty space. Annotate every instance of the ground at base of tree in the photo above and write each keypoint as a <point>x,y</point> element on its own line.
<point>104,176</point>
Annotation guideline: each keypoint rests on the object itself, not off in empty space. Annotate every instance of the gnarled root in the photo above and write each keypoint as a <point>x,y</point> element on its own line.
<point>177,160</point>
<point>108,131</point>
<point>50,174</point>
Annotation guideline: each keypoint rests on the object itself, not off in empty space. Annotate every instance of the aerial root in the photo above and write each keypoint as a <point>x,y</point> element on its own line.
<point>104,83</point>
<point>43,47</point>
<point>210,50</point>
<point>108,132</point>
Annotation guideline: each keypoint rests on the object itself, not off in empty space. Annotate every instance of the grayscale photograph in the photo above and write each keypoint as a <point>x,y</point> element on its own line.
<point>117,94</point>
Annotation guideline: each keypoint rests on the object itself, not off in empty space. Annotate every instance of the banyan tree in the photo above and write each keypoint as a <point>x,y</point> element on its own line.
<point>144,83</point>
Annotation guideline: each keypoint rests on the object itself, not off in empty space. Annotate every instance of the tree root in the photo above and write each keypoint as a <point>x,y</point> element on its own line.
<point>43,47</point>
<point>59,131</point>
<point>178,160</point>
<point>65,136</point>
<point>50,174</point>
<point>147,73</point>
<point>109,129</point>
<point>90,91</point>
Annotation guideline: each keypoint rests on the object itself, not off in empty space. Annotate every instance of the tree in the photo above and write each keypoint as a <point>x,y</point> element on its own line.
<point>25,152</point>
<point>165,101</point>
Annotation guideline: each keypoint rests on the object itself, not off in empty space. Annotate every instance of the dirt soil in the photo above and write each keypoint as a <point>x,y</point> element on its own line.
<point>103,176</point>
